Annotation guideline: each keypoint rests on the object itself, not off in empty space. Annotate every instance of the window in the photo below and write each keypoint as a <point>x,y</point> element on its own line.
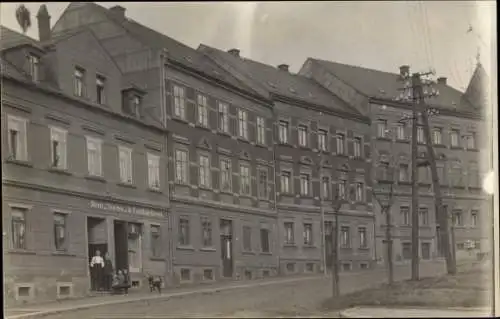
<point>406,251</point>
<point>308,234</point>
<point>18,228</point>
<point>17,138</point>
<point>247,238</point>
<point>455,138</point>
<point>471,141</point>
<point>309,267</point>
<point>261,130</point>
<point>125,164</point>
<point>283,132</point>
<point>437,136</point>
<point>202,110</point>
<point>363,239</point>
<point>457,218</point>
<point>359,192</point>
<point>225,175</point>
<point>155,241</point>
<point>345,237</point>
<point>181,166</point>
<point>100,89</point>
<point>206,228</point>
<point>243,124</point>
<point>185,274</point>
<point>153,171</point>
<point>325,187</point>
<point>456,174</point>
<point>58,147</point>
<point>382,128</point>
<point>420,134</point>
<point>223,117</point>
<point>60,231</point>
<point>441,174</point>
<point>357,147</point>
<point>302,131</point>
<point>473,174</point>
<point>136,105</point>
<point>342,187</point>
<point>289,233</point>
<point>424,216</point>
<point>401,132</point>
<point>94,156</point>
<point>405,215</point>
<point>264,240</point>
<point>34,65</point>
<point>290,267</point>
<point>184,238</point>
<point>322,140</point>
<point>340,144</point>
<point>383,171</point>
<point>179,102</point>
<point>304,184</point>
<point>403,173</point>
<point>474,218</point>
<point>244,179</point>
<point>208,274</point>
<point>204,171</point>
<point>285,182</point>
<point>79,82</point>
<point>263,191</point>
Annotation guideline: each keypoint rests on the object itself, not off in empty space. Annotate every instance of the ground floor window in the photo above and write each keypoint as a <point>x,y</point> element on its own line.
<point>406,250</point>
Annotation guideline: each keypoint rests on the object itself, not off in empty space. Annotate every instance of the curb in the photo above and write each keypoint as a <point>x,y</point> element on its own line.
<point>474,311</point>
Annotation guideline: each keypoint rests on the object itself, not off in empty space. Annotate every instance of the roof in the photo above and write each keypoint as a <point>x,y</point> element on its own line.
<point>386,85</point>
<point>284,83</point>
<point>10,39</point>
<point>476,90</point>
<point>9,69</point>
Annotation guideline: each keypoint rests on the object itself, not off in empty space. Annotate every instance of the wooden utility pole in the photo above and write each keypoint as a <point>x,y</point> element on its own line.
<point>322,211</point>
<point>415,81</point>
<point>336,205</point>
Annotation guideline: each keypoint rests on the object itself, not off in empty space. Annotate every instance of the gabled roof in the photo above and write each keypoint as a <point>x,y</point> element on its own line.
<point>280,82</point>
<point>10,39</point>
<point>386,85</point>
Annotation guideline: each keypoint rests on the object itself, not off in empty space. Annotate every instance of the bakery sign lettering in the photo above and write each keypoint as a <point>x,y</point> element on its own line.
<point>126,209</point>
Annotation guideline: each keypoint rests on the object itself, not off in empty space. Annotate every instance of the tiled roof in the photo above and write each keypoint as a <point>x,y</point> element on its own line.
<point>8,69</point>
<point>282,82</point>
<point>385,85</point>
<point>10,39</point>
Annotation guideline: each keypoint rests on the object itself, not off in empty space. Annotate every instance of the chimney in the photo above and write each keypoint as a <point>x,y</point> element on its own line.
<point>234,52</point>
<point>43,18</point>
<point>404,70</point>
<point>283,67</point>
<point>118,11</point>
<point>441,80</point>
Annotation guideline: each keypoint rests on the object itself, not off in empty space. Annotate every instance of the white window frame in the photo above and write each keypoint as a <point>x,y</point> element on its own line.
<point>91,142</point>
<point>423,216</point>
<point>202,108</point>
<point>322,140</point>
<point>100,83</point>
<point>153,171</point>
<point>181,166</point>
<point>401,132</point>
<point>357,147</point>
<point>64,218</point>
<point>325,187</point>
<point>363,239</point>
<point>382,128</point>
<point>437,136</point>
<point>204,170</point>
<point>125,164</point>
<point>58,135</point>
<point>179,101</point>
<point>245,168</point>
<point>79,82</point>
<point>308,234</point>
<point>359,191</point>
<point>405,213</point>
<point>341,147</point>
<point>229,174</point>
<point>19,125</point>
<point>471,141</point>
<point>420,134</point>
<point>305,184</point>
<point>455,138</point>
<point>34,64</point>
<point>243,124</point>
<point>263,187</point>
<point>283,130</point>
<point>342,188</point>
<point>302,132</point>
<point>223,117</point>
<point>285,181</point>
<point>261,130</point>
<point>345,237</point>
<point>406,173</point>
<point>289,232</point>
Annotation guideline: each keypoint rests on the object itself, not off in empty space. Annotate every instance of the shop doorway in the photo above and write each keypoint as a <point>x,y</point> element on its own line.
<point>121,244</point>
<point>226,243</point>
<point>97,241</point>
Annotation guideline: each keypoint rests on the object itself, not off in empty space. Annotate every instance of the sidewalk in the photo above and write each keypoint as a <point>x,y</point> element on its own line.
<point>379,312</point>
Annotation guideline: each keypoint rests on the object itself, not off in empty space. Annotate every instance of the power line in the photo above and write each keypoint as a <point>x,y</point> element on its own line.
<point>425,34</point>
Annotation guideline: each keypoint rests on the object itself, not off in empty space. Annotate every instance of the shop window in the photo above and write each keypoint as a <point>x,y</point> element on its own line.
<point>134,248</point>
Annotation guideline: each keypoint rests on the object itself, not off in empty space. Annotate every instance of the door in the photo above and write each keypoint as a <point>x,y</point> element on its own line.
<point>121,245</point>
<point>226,244</point>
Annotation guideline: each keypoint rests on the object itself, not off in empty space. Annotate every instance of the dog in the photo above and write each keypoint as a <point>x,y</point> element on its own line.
<point>155,283</point>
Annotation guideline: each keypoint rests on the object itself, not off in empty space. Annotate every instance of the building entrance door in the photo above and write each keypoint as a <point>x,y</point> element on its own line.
<point>97,241</point>
<point>121,245</point>
<point>226,243</point>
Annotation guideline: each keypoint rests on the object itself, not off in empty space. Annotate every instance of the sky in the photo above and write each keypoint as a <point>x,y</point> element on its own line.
<point>376,34</point>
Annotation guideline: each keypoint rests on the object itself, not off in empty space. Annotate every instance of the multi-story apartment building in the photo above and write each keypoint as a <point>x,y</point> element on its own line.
<point>321,149</point>
<point>456,134</point>
<point>83,169</point>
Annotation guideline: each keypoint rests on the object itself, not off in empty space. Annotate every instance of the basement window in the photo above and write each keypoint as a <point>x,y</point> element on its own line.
<point>208,274</point>
<point>185,274</point>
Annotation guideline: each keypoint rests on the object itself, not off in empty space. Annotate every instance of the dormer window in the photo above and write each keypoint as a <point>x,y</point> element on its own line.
<point>132,101</point>
<point>79,82</point>
<point>100,89</point>
<point>34,64</point>
<point>135,105</point>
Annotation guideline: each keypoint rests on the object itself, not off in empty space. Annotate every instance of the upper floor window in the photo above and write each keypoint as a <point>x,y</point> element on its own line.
<point>420,134</point>
<point>18,228</point>
<point>202,110</point>
<point>184,237</point>
<point>357,147</point>
<point>401,132</point>
<point>204,170</point>
<point>18,142</point>
<point>457,218</point>
<point>243,124</point>
<point>153,171</point>
<point>244,179</point>
<point>58,147</point>
<point>455,138</point>
<point>424,216</point>
<point>437,136</point>
<point>289,233</point>
<point>60,231</point>
<point>302,130</point>
<point>94,156</point>
<point>325,187</point>
<point>340,144</point>
<point>405,215</point>
<point>135,104</point>
<point>34,67</point>
<point>261,130</point>
<point>247,238</point>
<point>304,184</point>
<point>79,82</point>
<point>473,174</point>
<point>223,117</point>
<point>179,102</point>
<point>359,192</point>
<point>363,238</point>
<point>382,128</point>
<point>283,132</point>
<point>100,89</point>
<point>206,232</point>
<point>225,175</point>
<point>322,140</point>
<point>403,173</point>
<point>286,181</point>
<point>308,234</point>
<point>342,188</point>
<point>474,218</point>
<point>181,166</point>
<point>125,164</point>
<point>263,191</point>
<point>345,237</point>
<point>471,141</point>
